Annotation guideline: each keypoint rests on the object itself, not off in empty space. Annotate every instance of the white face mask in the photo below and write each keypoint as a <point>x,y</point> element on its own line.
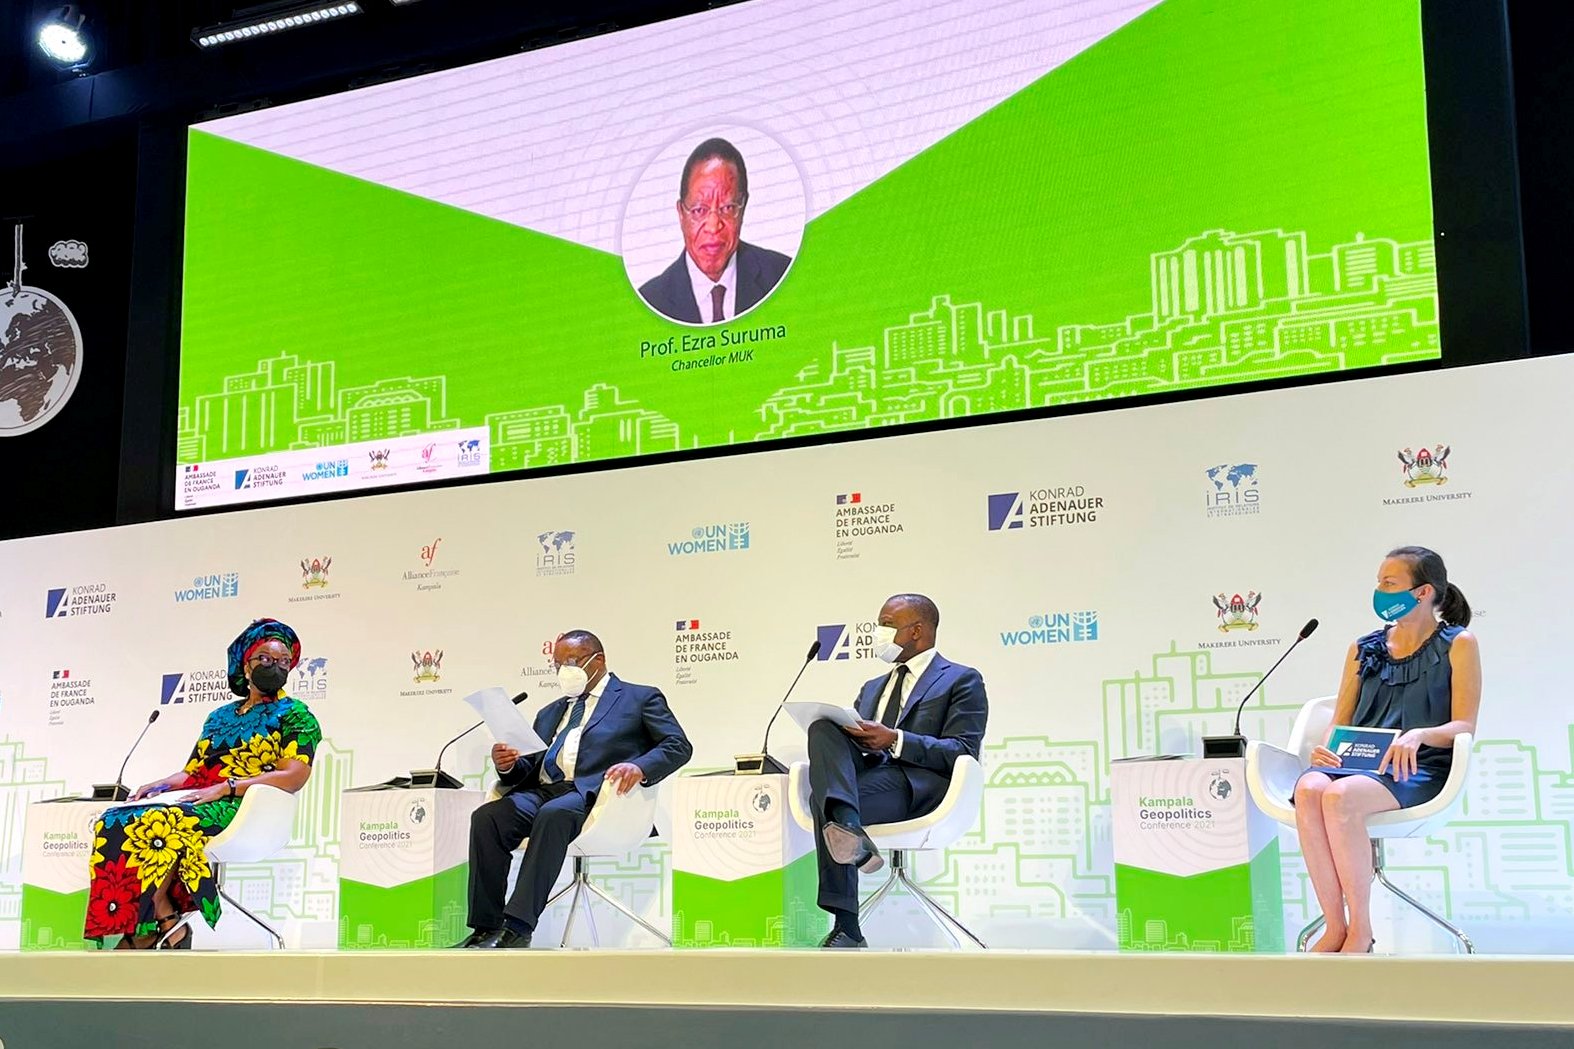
<point>885,646</point>
<point>572,680</point>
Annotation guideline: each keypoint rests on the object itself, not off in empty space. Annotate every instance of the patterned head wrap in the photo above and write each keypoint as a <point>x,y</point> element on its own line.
<point>252,638</point>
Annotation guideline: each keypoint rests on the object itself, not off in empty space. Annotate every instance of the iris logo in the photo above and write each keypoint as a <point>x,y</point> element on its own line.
<point>839,641</point>
<point>470,453</point>
<point>310,678</point>
<point>712,539</point>
<point>1054,628</point>
<point>1232,490</point>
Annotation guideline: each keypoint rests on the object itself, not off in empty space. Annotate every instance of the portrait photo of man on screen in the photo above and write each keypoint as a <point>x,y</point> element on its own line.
<point>719,275</point>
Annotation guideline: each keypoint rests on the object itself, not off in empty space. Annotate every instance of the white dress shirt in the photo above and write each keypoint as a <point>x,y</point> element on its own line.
<point>702,287</point>
<point>915,670</point>
<point>569,755</point>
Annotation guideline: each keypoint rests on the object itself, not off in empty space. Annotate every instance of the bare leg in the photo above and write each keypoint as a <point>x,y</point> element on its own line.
<point>1346,805</point>
<point>1319,857</point>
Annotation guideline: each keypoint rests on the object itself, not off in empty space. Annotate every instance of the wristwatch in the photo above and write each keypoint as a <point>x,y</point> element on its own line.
<point>231,782</point>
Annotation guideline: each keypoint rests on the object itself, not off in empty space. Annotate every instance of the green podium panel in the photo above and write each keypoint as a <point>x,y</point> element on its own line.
<point>1196,863</point>
<point>743,870</point>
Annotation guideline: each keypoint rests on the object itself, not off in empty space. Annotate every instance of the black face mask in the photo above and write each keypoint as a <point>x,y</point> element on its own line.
<point>268,680</point>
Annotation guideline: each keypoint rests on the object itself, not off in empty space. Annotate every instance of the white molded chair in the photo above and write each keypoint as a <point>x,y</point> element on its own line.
<point>1271,775</point>
<point>939,829</point>
<point>262,826</point>
<point>616,826</point>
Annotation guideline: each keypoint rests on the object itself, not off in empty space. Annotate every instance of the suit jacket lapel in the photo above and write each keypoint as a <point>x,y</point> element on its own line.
<point>869,698</point>
<point>923,686</point>
<point>681,292</point>
<point>748,292</point>
<point>609,699</point>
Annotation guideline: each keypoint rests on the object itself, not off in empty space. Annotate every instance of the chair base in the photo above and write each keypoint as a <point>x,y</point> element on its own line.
<point>937,914</point>
<point>1381,875</point>
<point>583,889</point>
<point>190,918</point>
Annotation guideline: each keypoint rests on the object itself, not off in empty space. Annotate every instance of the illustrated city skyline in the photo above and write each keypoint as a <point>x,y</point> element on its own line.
<point>1223,306</point>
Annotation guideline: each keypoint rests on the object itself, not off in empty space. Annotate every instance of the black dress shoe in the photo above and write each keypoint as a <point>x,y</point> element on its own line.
<point>838,938</point>
<point>852,845</point>
<point>503,938</point>
<point>475,937</point>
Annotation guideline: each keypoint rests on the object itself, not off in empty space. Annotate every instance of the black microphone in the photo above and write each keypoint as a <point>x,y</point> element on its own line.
<point>435,776</point>
<point>754,764</point>
<point>117,791</point>
<point>1234,745</point>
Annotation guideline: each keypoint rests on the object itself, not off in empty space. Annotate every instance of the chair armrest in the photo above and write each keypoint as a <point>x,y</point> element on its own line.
<point>263,825</point>
<point>799,800</point>
<point>1271,775</point>
<point>617,823</point>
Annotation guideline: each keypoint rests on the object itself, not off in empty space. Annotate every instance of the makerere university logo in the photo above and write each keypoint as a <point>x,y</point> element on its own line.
<point>1237,612</point>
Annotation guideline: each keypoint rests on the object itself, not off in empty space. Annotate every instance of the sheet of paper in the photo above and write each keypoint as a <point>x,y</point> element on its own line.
<point>506,721</point>
<point>807,713</point>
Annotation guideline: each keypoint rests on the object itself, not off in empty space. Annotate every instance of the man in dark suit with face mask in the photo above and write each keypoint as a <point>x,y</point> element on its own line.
<point>603,733</point>
<point>916,721</point>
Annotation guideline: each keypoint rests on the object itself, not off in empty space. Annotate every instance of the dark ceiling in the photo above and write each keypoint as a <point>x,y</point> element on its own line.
<point>146,67</point>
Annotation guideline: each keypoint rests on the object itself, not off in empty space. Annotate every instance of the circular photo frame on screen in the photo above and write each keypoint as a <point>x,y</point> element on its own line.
<point>713,224</point>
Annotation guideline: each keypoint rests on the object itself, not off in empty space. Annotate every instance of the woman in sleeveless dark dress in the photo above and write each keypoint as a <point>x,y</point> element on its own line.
<point>1421,674</point>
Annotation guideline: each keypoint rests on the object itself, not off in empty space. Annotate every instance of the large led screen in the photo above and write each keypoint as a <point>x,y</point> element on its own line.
<point>788,218</point>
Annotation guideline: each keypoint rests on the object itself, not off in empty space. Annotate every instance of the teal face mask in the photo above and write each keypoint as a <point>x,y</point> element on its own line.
<point>1393,605</point>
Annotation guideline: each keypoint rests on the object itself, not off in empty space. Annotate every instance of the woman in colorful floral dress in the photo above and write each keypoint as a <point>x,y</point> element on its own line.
<point>150,862</point>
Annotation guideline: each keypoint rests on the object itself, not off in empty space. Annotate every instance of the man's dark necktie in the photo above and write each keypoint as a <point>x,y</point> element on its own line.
<point>893,706</point>
<point>575,716</point>
<point>717,294</point>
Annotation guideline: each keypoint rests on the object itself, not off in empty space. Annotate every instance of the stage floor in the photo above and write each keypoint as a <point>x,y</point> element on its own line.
<point>1474,990</point>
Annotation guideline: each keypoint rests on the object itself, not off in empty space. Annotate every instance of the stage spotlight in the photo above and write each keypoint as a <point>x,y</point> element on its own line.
<point>63,39</point>
<point>270,19</point>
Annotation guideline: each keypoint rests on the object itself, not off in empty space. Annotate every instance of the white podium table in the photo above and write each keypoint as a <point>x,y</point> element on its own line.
<point>57,848</point>
<point>743,871</point>
<point>404,870</point>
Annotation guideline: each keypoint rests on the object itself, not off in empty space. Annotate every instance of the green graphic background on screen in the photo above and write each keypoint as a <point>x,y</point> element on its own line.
<point>1141,218</point>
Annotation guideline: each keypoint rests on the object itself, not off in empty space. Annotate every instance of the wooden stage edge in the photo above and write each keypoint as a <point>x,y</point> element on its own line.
<point>1475,990</point>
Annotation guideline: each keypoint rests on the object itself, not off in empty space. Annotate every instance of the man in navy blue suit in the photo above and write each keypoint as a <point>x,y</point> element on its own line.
<point>718,276</point>
<point>603,733</point>
<point>915,722</point>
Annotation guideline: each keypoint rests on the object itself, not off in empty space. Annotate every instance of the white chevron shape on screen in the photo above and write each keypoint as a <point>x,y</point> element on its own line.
<point>554,140</point>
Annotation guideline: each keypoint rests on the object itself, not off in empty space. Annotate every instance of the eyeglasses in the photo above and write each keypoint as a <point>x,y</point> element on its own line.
<point>581,662</point>
<point>698,213</point>
<point>283,662</point>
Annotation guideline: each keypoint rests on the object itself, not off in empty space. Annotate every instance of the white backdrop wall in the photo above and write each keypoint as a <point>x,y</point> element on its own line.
<point>486,575</point>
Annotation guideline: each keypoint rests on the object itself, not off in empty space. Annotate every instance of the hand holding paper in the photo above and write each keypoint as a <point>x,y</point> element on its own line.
<point>505,721</point>
<point>807,713</point>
